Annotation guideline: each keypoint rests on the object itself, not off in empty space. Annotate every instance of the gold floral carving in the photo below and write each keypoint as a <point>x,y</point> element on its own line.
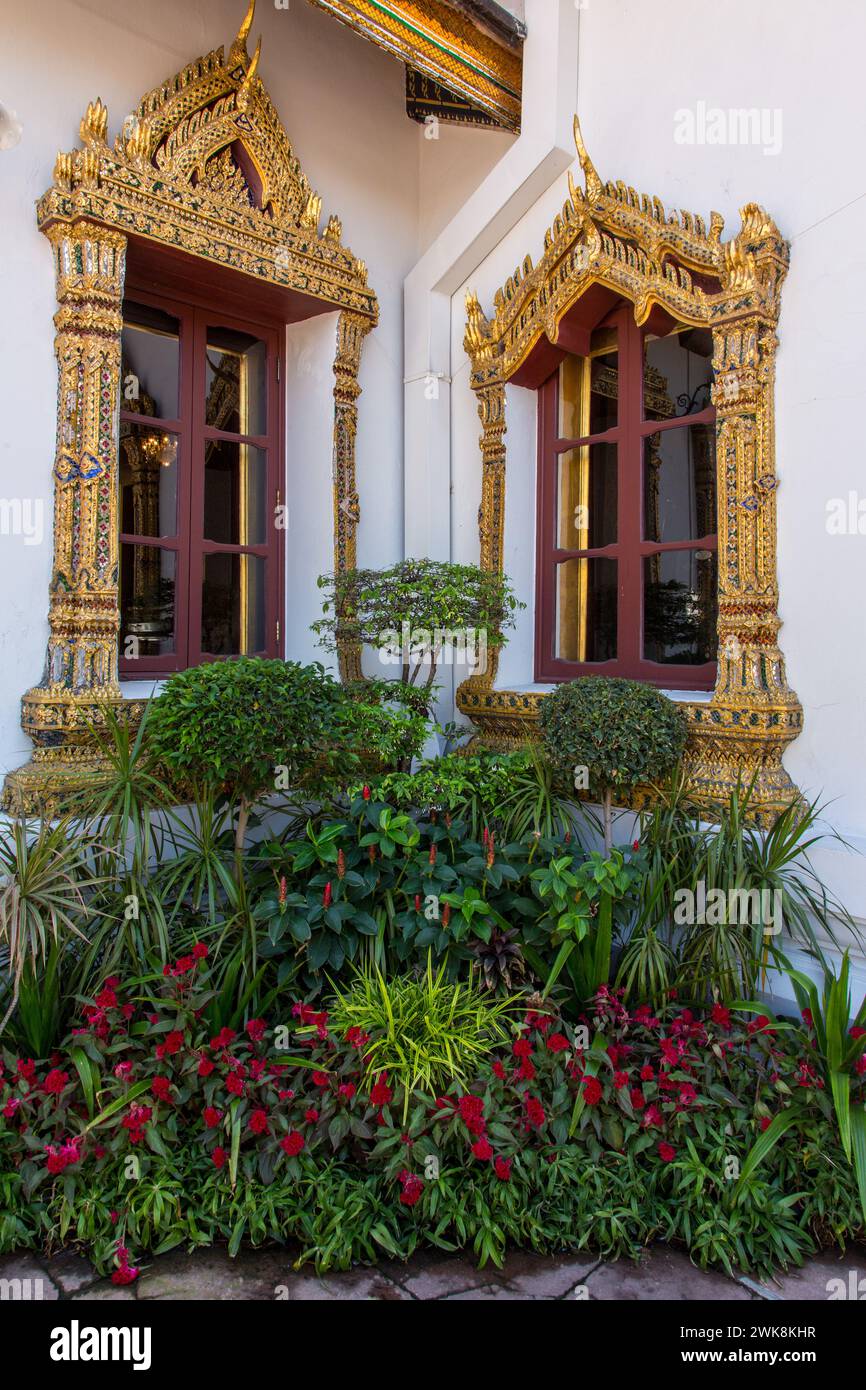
<point>607,234</point>
<point>202,166</point>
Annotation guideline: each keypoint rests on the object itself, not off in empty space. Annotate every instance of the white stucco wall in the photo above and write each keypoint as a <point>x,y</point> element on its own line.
<point>639,65</point>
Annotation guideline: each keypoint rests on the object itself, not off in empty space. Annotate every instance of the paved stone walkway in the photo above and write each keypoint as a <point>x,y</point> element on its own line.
<point>267,1275</point>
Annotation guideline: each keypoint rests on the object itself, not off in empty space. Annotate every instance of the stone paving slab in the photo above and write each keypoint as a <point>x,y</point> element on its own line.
<point>662,1274</point>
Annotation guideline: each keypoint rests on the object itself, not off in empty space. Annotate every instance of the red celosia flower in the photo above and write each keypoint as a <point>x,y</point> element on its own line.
<point>499,1070</point>
<point>522,1047</point>
<point>502,1169</point>
<point>647,1073</point>
<point>321,1079</point>
<point>688,1094</point>
<point>558,1042</point>
<point>123,1071</point>
<point>292,1144</point>
<point>161,1087</point>
<point>211,1116</point>
<point>535,1112</point>
<point>183,965</point>
<point>761,1024</point>
<point>721,1016</point>
<point>471,1110</point>
<point>653,1117</point>
<point>381,1093</point>
<point>526,1071</point>
<point>256,1029</point>
<point>173,1042</point>
<point>857,1033</point>
<point>235,1084</point>
<point>620,1079</point>
<point>205,1066</point>
<point>199,951</point>
<point>346,1090</point>
<point>592,1090</point>
<point>413,1188</point>
<point>127,1275</point>
<point>218,1157</point>
<point>481,1148</point>
<point>258,1123</point>
<point>55,1082</point>
<point>311,1116</point>
<point>356,1037</point>
<point>667,1153</point>
<point>223,1038</point>
<point>638,1099</point>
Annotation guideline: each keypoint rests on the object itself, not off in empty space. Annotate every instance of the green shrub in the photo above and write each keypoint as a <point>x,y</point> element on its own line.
<point>422,599</point>
<point>622,732</point>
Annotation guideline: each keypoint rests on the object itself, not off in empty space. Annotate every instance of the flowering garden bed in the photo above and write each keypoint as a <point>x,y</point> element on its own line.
<point>146,1131</point>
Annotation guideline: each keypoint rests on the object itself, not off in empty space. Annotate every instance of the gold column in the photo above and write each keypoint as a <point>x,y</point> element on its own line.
<point>351,332</point>
<point>81,665</point>
<point>754,714</point>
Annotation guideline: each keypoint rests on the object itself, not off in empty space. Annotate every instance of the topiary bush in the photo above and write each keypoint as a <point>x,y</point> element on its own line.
<point>621,732</point>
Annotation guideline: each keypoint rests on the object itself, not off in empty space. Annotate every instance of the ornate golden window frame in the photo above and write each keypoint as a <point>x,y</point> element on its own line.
<point>609,235</point>
<point>158,184</point>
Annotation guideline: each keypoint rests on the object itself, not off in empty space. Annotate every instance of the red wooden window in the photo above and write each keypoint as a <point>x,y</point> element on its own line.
<point>199,457</point>
<point>627,546</point>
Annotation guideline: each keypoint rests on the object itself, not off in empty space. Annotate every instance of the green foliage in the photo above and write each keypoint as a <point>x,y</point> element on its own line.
<point>838,1051</point>
<point>622,732</point>
<point>425,1032</point>
<point>427,599</point>
<point>231,724</point>
<point>47,887</point>
<point>770,864</point>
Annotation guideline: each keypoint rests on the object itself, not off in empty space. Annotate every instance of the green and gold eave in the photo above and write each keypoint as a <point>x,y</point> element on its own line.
<point>443,43</point>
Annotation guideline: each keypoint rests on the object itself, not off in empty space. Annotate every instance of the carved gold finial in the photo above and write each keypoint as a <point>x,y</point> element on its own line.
<point>94,123</point>
<point>334,229</point>
<point>238,50</point>
<point>590,174</point>
<point>311,214</point>
<point>137,146</point>
<point>63,170</point>
<point>246,87</point>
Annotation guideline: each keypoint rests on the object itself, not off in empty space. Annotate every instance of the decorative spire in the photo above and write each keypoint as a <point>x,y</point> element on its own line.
<point>238,51</point>
<point>591,178</point>
<point>246,87</point>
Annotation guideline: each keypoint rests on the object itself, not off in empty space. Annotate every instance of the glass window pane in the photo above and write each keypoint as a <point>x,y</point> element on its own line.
<point>148,481</point>
<point>235,485</point>
<point>678,373</point>
<point>680,607</point>
<point>586,610</point>
<point>233,605</point>
<point>583,411</point>
<point>587,497</point>
<point>236,382</point>
<point>680,484</point>
<point>150,349</point>
<point>147,614</point>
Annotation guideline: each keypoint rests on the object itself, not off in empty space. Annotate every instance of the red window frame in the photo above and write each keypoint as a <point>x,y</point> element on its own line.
<point>630,548</point>
<point>189,543</point>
